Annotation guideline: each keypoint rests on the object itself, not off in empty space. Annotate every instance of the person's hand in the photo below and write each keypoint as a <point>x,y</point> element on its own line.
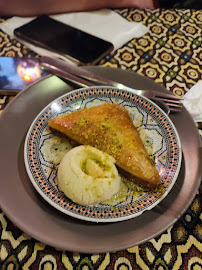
<point>42,7</point>
<point>136,3</point>
<point>97,4</point>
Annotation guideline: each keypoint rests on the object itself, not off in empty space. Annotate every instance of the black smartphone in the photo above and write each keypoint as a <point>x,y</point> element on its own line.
<point>17,73</point>
<point>81,47</point>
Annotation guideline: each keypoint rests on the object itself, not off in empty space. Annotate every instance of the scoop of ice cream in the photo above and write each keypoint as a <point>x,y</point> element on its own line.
<point>88,176</point>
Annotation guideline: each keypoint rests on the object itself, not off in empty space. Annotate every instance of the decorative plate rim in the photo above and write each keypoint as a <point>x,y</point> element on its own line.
<point>94,219</point>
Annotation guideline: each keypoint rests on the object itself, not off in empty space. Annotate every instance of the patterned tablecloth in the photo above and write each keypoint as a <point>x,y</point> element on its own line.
<point>170,54</point>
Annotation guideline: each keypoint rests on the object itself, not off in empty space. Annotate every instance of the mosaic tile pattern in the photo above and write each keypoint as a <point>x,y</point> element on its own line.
<point>170,54</point>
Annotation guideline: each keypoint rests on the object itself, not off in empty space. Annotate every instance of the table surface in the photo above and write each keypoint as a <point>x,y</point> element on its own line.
<point>170,54</point>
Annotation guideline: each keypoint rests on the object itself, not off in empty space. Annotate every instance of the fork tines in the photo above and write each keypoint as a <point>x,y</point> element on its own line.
<point>170,100</point>
<point>167,95</point>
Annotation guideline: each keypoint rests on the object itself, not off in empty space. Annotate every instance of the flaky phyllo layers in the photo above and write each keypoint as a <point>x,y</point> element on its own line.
<point>109,128</point>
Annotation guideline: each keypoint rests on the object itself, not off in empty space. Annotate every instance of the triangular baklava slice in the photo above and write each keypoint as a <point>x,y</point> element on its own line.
<point>109,128</point>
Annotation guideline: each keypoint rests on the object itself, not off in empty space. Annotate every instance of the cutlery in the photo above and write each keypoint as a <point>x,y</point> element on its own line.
<point>77,81</point>
<point>85,78</point>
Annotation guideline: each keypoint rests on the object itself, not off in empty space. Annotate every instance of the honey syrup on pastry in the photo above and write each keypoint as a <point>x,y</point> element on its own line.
<point>109,128</point>
<point>129,191</point>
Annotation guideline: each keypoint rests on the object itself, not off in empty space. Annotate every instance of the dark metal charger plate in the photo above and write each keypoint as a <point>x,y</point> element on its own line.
<point>22,204</point>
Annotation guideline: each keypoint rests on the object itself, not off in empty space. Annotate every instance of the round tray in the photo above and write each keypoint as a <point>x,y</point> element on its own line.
<point>33,215</point>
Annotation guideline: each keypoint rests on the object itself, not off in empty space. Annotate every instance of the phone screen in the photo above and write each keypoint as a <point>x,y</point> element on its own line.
<point>18,73</point>
<point>64,39</point>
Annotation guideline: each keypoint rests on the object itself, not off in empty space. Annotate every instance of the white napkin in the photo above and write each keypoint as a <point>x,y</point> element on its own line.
<point>192,100</point>
<point>105,24</point>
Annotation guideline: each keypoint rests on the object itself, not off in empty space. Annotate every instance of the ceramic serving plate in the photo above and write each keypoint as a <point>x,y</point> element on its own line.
<point>44,149</point>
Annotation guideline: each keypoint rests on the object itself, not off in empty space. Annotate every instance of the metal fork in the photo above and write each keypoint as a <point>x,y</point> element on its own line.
<point>85,78</point>
<point>173,102</point>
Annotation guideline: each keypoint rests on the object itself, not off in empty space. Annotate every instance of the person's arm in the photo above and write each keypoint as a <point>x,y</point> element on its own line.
<point>41,7</point>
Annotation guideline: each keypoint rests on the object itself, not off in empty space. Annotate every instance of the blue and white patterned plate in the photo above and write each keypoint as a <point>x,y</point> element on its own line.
<point>45,148</point>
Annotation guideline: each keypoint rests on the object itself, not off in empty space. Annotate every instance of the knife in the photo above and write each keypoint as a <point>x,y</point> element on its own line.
<point>85,78</point>
<point>74,73</point>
